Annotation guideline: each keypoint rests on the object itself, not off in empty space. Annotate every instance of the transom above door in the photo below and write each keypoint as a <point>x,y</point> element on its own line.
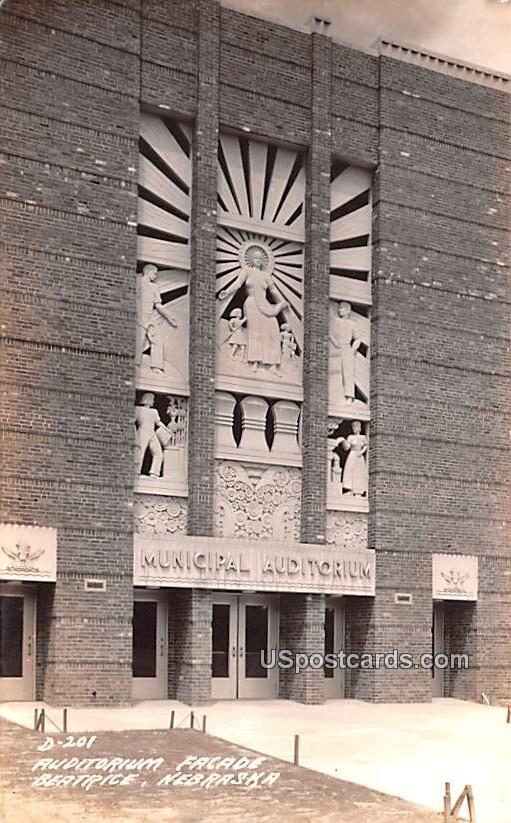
<point>244,628</point>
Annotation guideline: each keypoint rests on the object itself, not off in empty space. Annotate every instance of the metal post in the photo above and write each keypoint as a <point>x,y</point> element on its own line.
<point>297,749</point>
<point>36,720</point>
<point>64,720</point>
<point>204,723</point>
<point>191,720</point>
<point>172,714</point>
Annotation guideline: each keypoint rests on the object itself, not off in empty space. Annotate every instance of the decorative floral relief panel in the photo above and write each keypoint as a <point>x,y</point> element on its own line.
<point>347,530</point>
<point>257,503</point>
<point>160,515</point>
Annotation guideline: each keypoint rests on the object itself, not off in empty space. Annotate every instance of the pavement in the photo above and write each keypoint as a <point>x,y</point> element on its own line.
<point>178,776</point>
<point>405,750</point>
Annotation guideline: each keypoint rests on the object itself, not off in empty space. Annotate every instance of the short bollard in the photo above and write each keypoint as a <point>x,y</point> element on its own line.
<point>447,802</point>
<point>297,750</point>
<point>172,714</point>
<point>508,720</point>
<point>204,724</point>
<point>64,721</point>
<point>192,719</point>
<point>40,720</point>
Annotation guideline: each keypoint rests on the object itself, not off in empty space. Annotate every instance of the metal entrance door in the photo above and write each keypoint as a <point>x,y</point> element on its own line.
<point>243,626</point>
<point>150,646</point>
<point>334,643</point>
<point>437,647</point>
<point>17,643</point>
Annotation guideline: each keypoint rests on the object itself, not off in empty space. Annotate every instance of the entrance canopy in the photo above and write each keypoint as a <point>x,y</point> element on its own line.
<point>227,563</point>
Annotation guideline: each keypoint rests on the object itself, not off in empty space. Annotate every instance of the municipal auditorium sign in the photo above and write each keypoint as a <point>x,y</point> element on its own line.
<point>212,563</point>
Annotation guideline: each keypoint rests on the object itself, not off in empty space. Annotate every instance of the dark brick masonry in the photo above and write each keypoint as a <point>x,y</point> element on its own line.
<point>73,80</point>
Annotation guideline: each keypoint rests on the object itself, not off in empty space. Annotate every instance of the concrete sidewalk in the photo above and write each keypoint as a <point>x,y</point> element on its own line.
<point>408,750</point>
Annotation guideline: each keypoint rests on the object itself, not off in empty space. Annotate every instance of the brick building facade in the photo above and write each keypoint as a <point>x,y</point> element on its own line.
<point>195,139</point>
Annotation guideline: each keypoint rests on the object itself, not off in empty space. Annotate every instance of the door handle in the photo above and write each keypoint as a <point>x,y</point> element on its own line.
<point>241,651</point>
<point>234,651</point>
<point>29,646</point>
<point>162,646</point>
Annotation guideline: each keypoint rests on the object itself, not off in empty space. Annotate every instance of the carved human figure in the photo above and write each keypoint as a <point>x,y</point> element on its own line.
<point>148,423</point>
<point>237,337</point>
<point>336,471</point>
<point>149,310</point>
<point>287,342</point>
<point>263,333</point>
<point>354,478</point>
<point>343,336</point>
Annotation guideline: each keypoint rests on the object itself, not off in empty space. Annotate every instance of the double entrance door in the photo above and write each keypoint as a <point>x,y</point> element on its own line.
<point>245,630</point>
<point>17,643</point>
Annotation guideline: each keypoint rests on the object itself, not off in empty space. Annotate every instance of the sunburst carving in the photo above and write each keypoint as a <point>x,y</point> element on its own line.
<point>164,204</point>
<point>260,187</point>
<point>350,234</point>
<point>285,260</point>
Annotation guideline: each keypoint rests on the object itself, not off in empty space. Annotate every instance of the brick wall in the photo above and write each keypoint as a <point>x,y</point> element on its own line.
<point>190,658</point>
<point>440,370</point>
<point>201,440</point>
<point>316,291</point>
<point>70,89</point>
<point>302,630</point>
<point>73,78</point>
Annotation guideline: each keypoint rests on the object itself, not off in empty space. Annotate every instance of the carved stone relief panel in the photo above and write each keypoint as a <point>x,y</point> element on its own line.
<point>164,203</point>
<point>155,514</point>
<point>257,503</point>
<point>162,329</point>
<point>161,422</point>
<point>348,368</point>
<point>350,234</point>
<point>350,291</point>
<point>163,252</point>
<point>255,428</point>
<point>261,190</point>
<point>348,530</point>
<point>347,476</point>
<point>259,313</point>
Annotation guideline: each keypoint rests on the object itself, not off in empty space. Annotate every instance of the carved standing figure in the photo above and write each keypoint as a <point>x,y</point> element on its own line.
<point>345,338</point>
<point>354,478</point>
<point>147,421</point>
<point>237,337</point>
<point>287,342</point>
<point>149,311</point>
<point>263,333</point>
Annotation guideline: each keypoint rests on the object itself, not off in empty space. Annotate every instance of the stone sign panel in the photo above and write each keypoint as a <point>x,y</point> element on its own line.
<point>210,563</point>
<point>28,553</point>
<point>454,577</point>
